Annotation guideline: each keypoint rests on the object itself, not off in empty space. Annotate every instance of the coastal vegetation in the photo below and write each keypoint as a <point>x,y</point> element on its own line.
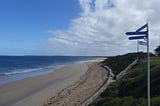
<point>131,90</point>
<point>120,62</point>
<point>157,51</point>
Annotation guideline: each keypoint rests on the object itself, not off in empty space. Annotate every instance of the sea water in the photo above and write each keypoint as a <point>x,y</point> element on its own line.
<point>14,68</point>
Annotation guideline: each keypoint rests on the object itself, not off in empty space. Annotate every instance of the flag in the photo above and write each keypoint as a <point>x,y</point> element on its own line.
<point>136,37</point>
<point>138,34</point>
<point>142,43</point>
<point>141,28</point>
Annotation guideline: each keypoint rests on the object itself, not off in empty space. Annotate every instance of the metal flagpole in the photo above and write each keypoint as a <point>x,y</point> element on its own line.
<point>148,64</point>
<point>137,46</point>
<point>159,40</point>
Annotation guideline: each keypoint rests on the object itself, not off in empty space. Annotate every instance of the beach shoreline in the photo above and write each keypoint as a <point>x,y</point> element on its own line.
<point>37,91</point>
<point>20,74</point>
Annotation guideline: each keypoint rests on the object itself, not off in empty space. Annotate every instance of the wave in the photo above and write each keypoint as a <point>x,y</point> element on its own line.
<point>21,71</point>
<point>49,68</point>
<point>44,69</point>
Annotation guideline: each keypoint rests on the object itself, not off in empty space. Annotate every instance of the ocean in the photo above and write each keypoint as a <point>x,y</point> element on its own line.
<point>14,68</point>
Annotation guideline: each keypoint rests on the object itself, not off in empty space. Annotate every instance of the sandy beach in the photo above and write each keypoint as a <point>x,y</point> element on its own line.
<point>68,86</point>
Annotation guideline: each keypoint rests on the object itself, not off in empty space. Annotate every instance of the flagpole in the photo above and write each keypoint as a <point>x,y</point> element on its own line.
<point>146,33</point>
<point>137,46</point>
<point>148,64</point>
<point>159,41</point>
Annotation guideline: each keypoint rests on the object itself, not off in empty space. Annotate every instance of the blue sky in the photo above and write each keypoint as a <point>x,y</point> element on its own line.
<point>75,27</point>
<point>24,23</point>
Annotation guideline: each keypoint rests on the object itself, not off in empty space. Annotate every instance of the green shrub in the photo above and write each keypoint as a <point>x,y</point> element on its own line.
<point>142,102</point>
<point>125,101</point>
<point>155,101</point>
<point>131,90</point>
<point>113,102</point>
<point>120,62</point>
<point>111,91</point>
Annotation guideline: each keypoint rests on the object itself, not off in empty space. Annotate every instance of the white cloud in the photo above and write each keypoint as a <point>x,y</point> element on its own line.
<point>100,28</point>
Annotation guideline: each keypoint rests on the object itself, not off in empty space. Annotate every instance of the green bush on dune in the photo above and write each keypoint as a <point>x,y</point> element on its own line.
<point>119,63</point>
<point>128,101</point>
<point>112,91</point>
<point>125,101</point>
<point>155,101</point>
<point>132,89</point>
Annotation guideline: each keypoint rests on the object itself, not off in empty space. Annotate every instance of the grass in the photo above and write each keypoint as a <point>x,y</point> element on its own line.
<point>155,60</point>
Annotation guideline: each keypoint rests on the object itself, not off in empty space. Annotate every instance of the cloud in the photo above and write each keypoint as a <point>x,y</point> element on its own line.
<point>101,26</point>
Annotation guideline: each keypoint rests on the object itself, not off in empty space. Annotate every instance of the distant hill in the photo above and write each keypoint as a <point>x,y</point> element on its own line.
<point>131,90</point>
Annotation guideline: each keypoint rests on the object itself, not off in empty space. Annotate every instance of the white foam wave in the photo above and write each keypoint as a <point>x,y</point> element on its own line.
<point>22,71</point>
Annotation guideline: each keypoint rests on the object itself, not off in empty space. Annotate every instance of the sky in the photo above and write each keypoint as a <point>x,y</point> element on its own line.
<point>75,27</point>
